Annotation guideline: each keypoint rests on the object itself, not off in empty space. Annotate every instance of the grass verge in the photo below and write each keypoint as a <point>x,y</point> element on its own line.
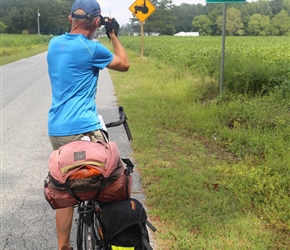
<point>16,47</point>
<point>22,52</point>
<point>189,197</point>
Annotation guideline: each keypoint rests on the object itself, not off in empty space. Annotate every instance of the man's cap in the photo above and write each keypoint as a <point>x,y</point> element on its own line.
<point>90,7</point>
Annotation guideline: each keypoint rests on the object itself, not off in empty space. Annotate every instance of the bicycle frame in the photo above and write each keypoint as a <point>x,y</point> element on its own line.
<point>89,231</point>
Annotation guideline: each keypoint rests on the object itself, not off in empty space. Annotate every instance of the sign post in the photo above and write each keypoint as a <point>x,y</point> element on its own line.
<point>223,49</point>
<point>142,39</point>
<point>142,9</point>
<point>224,35</point>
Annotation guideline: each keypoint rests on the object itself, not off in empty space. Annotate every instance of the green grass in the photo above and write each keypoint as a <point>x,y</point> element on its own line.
<point>252,64</point>
<point>208,185</point>
<point>16,47</point>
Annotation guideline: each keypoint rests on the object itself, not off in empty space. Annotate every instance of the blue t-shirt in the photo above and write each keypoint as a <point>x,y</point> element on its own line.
<point>74,62</point>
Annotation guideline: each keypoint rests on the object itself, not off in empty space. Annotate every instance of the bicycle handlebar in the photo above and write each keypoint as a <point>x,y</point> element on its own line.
<point>122,120</point>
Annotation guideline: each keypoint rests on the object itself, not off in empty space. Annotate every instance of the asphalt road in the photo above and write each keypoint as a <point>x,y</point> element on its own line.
<point>27,221</point>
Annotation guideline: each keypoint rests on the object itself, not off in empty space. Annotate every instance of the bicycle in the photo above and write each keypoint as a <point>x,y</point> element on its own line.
<point>89,230</point>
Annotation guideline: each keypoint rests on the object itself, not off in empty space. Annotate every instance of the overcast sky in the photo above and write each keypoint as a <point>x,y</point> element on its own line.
<point>120,8</point>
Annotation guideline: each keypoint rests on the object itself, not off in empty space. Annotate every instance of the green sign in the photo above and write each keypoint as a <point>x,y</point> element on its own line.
<point>225,1</point>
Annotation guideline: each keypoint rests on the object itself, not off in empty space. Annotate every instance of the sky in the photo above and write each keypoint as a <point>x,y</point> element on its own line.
<point>119,9</point>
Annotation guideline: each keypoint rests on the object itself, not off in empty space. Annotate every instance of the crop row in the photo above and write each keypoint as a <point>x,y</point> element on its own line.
<point>197,52</point>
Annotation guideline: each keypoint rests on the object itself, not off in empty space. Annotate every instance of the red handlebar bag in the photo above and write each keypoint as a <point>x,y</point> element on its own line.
<point>84,170</point>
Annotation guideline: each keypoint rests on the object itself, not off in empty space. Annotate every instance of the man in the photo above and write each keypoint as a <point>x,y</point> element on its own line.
<point>74,61</point>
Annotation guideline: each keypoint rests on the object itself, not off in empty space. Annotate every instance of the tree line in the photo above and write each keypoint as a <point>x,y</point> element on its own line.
<point>261,18</point>
<point>20,16</point>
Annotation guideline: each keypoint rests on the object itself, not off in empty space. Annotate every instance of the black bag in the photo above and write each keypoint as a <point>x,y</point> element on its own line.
<point>124,225</point>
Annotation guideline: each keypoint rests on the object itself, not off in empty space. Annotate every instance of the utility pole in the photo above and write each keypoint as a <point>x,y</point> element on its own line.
<point>38,27</point>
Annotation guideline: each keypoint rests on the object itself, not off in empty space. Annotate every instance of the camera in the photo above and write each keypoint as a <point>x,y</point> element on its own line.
<point>103,20</point>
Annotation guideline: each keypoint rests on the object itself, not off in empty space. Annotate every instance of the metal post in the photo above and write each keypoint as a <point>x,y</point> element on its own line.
<point>223,49</point>
<point>142,40</point>
<point>38,27</point>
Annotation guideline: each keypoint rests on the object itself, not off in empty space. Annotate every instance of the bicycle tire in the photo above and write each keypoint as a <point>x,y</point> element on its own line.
<point>92,236</point>
<point>89,237</point>
<point>80,235</point>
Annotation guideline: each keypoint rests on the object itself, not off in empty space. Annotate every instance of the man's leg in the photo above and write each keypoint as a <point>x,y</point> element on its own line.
<point>64,218</point>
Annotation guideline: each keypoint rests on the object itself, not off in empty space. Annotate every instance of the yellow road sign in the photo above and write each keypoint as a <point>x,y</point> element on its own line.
<point>142,9</point>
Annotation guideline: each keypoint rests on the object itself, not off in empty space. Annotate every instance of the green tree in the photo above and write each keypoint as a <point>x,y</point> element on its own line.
<point>276,6</point>
<point>14,21</point>
<point>286,6</point>
<point>3,26</point>
<point>202,24</point>
<point>260,7</point>
<point>259,25</point>
<point>162,20</point>
<point>214,11</point>
<point>245,16</point>
<point>234,24</point>
<point>281,23</point>
<point>184,14</point>
<point>21,15</point>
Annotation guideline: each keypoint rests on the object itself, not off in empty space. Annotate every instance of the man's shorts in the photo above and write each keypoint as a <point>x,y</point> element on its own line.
<point>58,141</point>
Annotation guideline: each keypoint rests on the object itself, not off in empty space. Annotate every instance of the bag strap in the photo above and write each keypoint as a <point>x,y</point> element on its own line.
<point>105,135</point>
<point>149,224</point>
<point>102,187</point>
<point>143,231</point>
<point>72,193</point>
<point>146,243</point>
<point>144,240</point>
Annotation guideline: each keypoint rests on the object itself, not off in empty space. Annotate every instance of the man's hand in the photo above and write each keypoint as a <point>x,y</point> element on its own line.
<point>111,25</point>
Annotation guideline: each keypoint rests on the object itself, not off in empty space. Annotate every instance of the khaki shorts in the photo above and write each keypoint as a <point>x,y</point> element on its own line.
<point>58,141</point>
